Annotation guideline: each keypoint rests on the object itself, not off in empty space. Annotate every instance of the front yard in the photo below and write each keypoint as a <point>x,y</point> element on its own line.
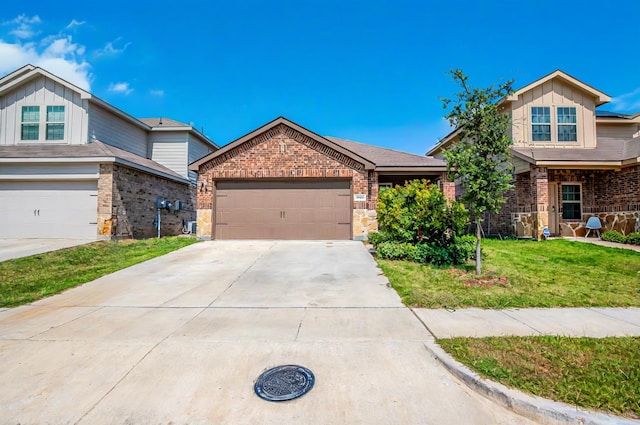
<point>521,274</point>
<point>601,374</point>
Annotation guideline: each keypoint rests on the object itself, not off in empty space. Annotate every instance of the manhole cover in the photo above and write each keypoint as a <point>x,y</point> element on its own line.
<point>284,383</point>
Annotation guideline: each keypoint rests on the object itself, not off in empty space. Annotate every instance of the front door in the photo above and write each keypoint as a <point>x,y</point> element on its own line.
<point>553,208</point>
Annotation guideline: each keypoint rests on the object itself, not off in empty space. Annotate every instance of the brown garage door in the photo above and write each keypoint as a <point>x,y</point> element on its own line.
<point>283,210</point>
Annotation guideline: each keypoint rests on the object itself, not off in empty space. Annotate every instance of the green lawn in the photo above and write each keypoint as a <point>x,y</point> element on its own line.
<point>601,374</point>
<point>517,273</point>
<point>28,279</point>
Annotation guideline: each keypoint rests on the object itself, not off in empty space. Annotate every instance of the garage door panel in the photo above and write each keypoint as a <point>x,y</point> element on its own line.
<point>283,210</point>
<point>48,209</point>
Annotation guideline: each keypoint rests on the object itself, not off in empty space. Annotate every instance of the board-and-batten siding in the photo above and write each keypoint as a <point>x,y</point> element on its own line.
<point>197,150</point>
<point>43,92</point>
<point>115,131</point>
<point>170,150</point>
<point>554,93</point>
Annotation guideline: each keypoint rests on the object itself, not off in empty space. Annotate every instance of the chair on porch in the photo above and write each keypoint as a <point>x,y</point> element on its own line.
<point>593,224</point>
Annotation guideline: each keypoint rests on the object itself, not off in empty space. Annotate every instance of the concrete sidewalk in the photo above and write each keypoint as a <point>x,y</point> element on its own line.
<point>475,322</point>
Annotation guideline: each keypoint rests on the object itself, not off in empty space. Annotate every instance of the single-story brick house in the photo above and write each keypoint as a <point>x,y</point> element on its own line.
<point>571,161</point>
<point>283,181</point>
<point>74,166</point>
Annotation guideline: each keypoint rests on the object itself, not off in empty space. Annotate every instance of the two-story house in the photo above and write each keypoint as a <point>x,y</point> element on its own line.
<point>74,166</point>
<point>571,161</point>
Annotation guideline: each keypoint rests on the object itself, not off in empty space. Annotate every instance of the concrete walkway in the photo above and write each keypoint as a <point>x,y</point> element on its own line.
<point>182,338</point>
<point>598,241</point>
<point>475,322</point>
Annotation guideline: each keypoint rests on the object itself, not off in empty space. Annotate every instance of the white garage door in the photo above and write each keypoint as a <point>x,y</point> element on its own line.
<point>48,210</point>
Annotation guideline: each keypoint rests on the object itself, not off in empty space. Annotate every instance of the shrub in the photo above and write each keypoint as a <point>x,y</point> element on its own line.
<point>633,238</point>
<point>419,212</point>
<point>458,252</point>
<point>396,251</point>
<point>613,236</point>
<point>376,238</point>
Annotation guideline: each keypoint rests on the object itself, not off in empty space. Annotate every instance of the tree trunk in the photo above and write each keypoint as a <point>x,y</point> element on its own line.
<point>478,251</point>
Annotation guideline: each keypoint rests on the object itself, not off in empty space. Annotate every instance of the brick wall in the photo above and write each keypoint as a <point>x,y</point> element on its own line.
<point>280,153</point>
<point>126,203</point>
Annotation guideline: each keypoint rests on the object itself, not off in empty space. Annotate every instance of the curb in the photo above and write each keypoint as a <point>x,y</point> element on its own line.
<point>536,408</point>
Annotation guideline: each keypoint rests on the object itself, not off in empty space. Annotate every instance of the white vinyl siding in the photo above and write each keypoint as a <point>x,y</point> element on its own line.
<point>43,92</point>
<point>170,150</point>
<point>197,150</point>
<point>115,131</point>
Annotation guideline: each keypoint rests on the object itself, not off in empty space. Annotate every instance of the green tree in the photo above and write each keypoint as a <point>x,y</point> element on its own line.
<point>479,162</point>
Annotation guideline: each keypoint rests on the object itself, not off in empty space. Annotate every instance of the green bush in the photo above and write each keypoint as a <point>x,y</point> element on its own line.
<point>376,238</point>
<point>633,238</point>
<point>418,212</point>
<point>613,236</point>
<point>396,251</point>
<point>458,252</point>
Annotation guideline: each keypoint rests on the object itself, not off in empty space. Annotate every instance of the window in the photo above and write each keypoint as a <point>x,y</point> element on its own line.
<point>571,202</point>
<point>30,128</point>
<point>541,124</point>
<point>31,124</point>
<point>567,128</point>
<point>55,123</point>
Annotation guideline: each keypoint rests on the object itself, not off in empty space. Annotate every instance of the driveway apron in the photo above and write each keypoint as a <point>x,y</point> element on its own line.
<point>182,339</point>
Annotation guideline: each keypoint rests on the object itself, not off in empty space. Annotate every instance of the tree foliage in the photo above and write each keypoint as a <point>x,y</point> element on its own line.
<point>479,162</point>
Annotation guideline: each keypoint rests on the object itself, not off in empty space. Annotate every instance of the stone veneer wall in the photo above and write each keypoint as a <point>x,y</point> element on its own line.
<point>283,153</point>
<point>126,203</point>
<point>624,222</point>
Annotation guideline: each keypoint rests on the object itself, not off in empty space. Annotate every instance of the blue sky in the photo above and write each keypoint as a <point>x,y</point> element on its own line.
<point>369,71</point>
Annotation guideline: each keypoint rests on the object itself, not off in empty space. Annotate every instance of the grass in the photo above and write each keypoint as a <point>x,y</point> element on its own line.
<point>520,274</point>
<point>28,279</point>
<point>601,374</point>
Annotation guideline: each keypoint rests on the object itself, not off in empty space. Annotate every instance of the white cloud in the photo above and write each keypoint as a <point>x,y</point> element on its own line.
<point>110,49</point>
<point>158,93</point>
<point>120,88</point>
<point>629,102</point>
<point>24,26</point>
<point>73,24</point>
<point>57,54</point>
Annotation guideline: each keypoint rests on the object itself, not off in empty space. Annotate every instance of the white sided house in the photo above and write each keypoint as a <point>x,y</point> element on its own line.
<point>74,166</point>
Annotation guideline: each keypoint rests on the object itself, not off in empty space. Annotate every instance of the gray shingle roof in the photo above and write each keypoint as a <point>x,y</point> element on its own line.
<point>163,122</point>
<point>608,149</point>
<point>92,150</point>
<point>384,157</point>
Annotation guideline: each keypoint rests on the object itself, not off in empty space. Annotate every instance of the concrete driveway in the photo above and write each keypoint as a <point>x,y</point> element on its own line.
<point>182,338</point>
<point>17,248</point>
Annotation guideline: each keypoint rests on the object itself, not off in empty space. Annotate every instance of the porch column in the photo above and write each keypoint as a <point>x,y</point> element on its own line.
<point>540,199</point>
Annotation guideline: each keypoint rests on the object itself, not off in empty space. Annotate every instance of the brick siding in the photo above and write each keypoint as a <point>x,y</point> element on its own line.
<point>126,203</point>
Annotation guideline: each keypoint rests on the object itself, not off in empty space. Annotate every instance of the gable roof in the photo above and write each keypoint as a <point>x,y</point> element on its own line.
<point>385,158</point>
<point>601,97</point>
<point>368,165</point>
<point>29,72</point>
<point>96,152</point>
